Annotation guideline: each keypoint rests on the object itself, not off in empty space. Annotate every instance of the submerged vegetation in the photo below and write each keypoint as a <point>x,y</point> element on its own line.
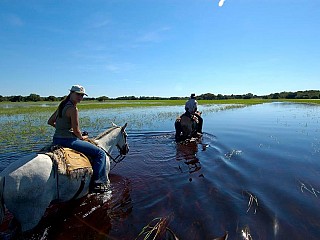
<point>34,103</point>
<point>25,123</point>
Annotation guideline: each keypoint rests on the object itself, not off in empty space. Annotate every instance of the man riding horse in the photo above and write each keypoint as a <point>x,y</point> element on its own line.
<point>190,123</point>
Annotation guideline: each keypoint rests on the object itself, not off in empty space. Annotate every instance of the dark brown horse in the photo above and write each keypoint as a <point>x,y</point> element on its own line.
<point>188,126</point>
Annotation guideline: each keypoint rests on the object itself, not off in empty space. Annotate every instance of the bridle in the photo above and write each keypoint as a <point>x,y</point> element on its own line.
<point>122,153</point>
<point>122,150</point>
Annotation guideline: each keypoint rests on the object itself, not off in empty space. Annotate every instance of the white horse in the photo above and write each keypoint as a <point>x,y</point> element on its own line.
<point>30,184</point>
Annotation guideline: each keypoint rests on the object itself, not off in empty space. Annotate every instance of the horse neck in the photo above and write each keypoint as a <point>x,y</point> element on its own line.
<point>110,140</point>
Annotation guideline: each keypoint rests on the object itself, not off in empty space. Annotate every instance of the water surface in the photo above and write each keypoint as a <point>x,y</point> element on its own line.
<point>254,174</point>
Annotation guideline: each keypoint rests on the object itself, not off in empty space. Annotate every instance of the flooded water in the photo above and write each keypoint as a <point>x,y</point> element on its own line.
<point>254,174</point>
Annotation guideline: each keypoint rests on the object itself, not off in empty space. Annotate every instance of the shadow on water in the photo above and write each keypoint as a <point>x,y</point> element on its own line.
<point>187,154</point>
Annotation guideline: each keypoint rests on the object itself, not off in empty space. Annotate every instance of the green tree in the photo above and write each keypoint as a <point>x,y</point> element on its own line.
<point>275,96</point>
<point>18,98</point>
<point>33,97</point>
<point>102,98</point>
<point>248,96</point>
<point>207,96</point>
<point>220,97</point>
<point>51,98</point>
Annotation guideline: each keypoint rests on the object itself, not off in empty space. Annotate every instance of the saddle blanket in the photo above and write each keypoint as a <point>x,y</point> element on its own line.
<point>70,162</point>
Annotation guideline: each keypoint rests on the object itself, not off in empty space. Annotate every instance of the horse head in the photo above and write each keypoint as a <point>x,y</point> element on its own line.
<point>114,136</point>
<point>122,144</point>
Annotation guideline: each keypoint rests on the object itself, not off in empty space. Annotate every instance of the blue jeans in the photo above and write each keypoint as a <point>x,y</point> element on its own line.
<point>97,155</point>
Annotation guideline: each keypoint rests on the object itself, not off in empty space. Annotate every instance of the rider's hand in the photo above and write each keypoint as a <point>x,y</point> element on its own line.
<point>85,137</point>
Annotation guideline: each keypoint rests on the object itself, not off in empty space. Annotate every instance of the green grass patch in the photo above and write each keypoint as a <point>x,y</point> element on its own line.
<point>9,108</point>
<point>306,101</point>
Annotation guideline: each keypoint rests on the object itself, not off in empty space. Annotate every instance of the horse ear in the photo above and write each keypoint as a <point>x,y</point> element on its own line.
<point>124,127</point>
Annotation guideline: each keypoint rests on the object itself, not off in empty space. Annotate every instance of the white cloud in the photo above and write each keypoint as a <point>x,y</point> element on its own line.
<point>100,24</point>
<point>15,20</point>
<point>112,68</point>
<point>221,2</point>
<point>153,36</point>
<point>119,67</point>
<point>98,21</point>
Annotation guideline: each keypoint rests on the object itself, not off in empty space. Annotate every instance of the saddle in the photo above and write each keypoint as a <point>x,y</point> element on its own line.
<point>70,162</point>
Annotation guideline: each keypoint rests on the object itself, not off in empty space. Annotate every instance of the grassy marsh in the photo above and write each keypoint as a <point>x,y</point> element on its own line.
<point>12,108</point>
<point>25,123</point>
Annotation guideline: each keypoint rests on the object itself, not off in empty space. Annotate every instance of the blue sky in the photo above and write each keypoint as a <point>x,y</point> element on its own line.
<point>159,47</point>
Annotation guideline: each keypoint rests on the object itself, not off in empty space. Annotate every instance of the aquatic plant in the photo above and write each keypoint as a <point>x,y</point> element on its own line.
<point>253,200</point>
<point>26,131</point>
<point>157,229</point>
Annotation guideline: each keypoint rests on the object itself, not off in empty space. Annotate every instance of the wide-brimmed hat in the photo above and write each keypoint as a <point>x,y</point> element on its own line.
<point>78,89</point>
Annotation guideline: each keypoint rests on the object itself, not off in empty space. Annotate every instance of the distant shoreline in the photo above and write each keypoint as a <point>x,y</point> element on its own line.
<point>11,108</point>
<point>306,94</point>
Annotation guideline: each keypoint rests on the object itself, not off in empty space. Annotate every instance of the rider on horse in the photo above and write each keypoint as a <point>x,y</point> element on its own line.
<point>191,108</point>
<point>190,123</point>
<point>65,120</point>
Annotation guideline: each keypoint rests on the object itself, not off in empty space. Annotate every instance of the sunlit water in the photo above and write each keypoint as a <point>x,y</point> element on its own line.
<point>255,174</point>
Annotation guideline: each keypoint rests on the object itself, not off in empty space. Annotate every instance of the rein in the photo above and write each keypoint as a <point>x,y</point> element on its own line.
<point>117,159</point>
<point>120,157</point>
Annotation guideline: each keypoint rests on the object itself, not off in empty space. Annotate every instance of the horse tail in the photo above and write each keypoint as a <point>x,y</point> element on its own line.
<point>2,209</point>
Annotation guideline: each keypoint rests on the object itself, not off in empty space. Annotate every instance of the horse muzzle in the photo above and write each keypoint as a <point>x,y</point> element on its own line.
<point>124,150</point>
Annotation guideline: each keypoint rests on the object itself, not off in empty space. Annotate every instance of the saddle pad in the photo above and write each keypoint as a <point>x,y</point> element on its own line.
<point>70,162</point>
<point>75,160</point>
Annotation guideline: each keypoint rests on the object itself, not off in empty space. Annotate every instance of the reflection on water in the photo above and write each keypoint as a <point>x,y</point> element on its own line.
<point>186,152</point>
<point>254,174</point>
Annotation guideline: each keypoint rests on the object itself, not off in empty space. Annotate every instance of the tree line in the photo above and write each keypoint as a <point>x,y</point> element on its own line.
<point>308,94</point>
<point>36,98</point>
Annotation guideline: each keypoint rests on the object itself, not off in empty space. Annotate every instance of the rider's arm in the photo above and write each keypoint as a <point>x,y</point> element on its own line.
<point>52,119</point>
<point>195,105</point>
<point>73,113</point>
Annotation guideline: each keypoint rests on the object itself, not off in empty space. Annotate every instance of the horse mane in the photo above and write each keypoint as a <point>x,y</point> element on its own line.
<point>101,135</point>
